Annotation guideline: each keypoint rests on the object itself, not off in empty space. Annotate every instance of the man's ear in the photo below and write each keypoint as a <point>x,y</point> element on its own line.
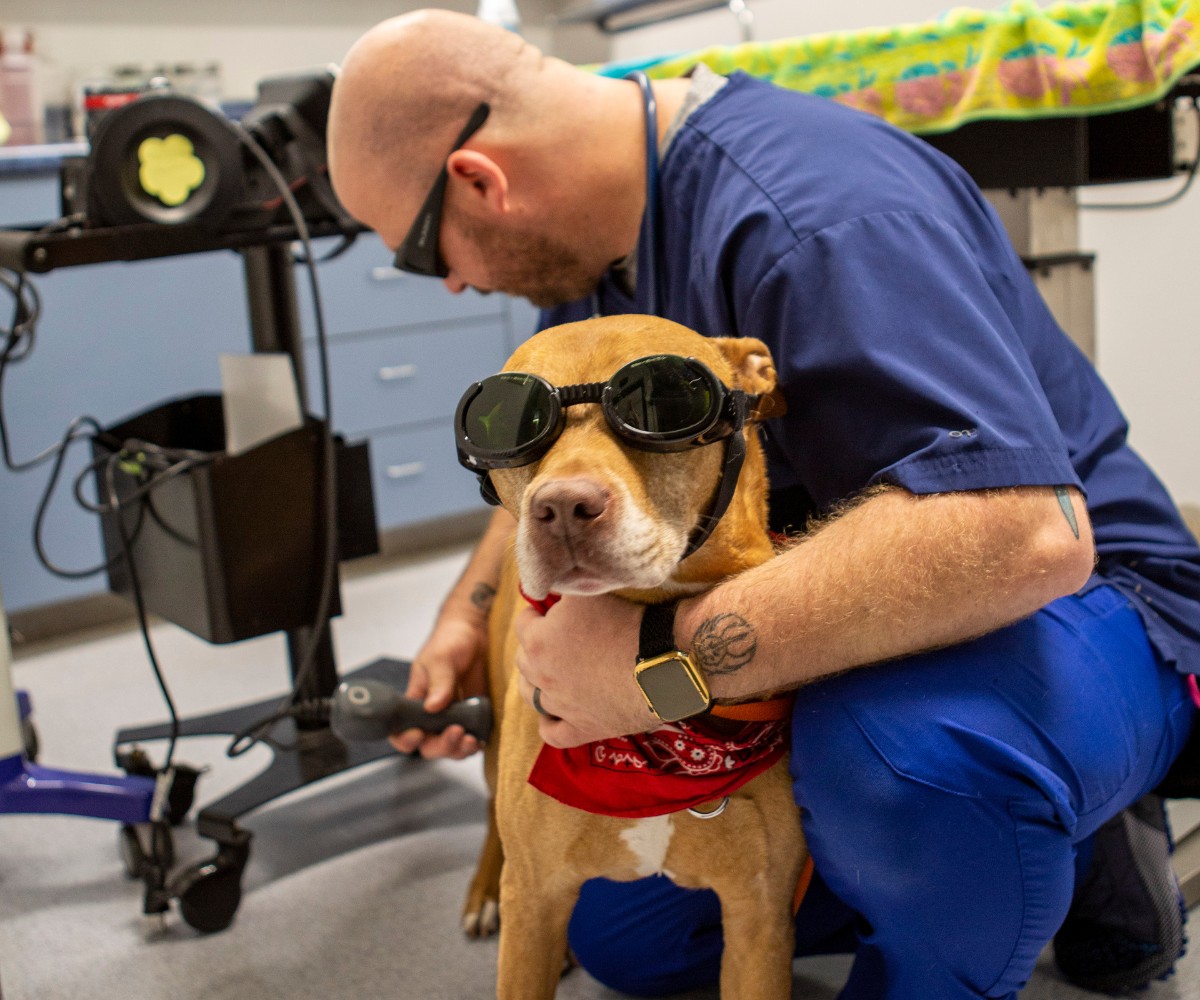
<point>479,177</point>
<point>755,370</point>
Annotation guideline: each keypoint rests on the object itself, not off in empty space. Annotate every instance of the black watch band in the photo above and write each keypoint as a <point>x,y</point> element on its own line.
<point>671,682</point>
<point>657,635</point>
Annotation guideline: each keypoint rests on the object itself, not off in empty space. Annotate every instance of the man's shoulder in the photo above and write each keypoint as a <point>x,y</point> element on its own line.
<point>748,106</point>
<point>804,160</point>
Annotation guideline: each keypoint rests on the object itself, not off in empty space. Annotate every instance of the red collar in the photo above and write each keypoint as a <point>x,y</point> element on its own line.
<point>542,606</point>
<point>675,767</point>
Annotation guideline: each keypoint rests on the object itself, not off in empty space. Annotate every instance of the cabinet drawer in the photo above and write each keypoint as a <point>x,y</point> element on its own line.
<point>417,477</point>
<point>29,199</point>
<point>404,378</point>
<point>361,290</point>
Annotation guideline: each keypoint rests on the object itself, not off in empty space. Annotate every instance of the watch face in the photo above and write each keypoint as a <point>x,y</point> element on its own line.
<point>671,688</point>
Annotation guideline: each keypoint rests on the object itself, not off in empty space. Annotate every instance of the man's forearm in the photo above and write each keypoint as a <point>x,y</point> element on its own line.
<point>471,597</point>
<point>894,575</point>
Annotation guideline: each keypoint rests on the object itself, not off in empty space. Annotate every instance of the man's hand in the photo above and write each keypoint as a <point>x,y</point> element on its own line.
<point>453,662</point>
<point>581,654</point>
<point>451,665</point>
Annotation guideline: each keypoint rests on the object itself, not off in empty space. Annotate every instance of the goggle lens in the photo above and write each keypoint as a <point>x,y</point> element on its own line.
<point>511,410</point>
<point>662,395</point>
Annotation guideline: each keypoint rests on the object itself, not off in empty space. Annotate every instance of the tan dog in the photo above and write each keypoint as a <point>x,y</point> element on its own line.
<point>629,542</point>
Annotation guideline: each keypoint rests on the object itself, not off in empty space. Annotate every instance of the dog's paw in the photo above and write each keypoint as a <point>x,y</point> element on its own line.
<point>483,920</point>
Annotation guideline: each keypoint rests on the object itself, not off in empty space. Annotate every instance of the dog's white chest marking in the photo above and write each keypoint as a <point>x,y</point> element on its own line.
<point>648,840</point>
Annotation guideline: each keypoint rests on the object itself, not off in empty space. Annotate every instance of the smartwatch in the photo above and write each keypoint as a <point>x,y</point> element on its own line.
<point>670,681</point>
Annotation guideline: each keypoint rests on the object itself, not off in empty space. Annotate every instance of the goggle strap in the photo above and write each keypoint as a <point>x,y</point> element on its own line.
<point>735,455</point>
<point>488,491</point>
<point>751,400</point>
<point>584,392</point>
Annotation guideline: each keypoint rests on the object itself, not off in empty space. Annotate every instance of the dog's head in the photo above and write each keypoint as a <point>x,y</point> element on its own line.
<point>597,513</point>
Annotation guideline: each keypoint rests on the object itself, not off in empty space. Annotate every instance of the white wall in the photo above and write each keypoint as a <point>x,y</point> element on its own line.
<point>82,39</point>
<point>1148,263</point>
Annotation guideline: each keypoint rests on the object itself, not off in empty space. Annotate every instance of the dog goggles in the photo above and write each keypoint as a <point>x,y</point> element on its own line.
<point>659,403</point>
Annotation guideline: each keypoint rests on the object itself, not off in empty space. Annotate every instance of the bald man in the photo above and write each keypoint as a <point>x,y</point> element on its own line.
<point>992,615</point>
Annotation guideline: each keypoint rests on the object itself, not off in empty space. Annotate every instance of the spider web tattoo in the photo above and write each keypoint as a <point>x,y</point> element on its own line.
<point>725,643</point>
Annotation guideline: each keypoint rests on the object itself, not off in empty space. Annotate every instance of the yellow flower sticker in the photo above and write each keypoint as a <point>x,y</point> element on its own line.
<point>170,169</point>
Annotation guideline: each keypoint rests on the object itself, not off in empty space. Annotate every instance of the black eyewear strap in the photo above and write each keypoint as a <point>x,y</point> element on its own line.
<point>418,253</point>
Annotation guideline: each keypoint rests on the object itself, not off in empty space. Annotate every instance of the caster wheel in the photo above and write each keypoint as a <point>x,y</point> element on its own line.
<point>144,844</point>
<point>130,846</point>
<point>182,793</point>
<point>29,737</point>
<point>209,893</point>
<point>211,899</point>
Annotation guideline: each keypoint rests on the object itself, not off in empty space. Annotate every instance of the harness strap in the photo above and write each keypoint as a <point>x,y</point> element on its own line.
<point>806,874</point>
<point>769,710</point>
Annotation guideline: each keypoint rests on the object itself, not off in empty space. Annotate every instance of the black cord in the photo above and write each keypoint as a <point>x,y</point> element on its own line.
<point>333,253</point>
<point>289,706</point>
<point>261,730</point>
<point>27,307</point>
<point>115,504</point>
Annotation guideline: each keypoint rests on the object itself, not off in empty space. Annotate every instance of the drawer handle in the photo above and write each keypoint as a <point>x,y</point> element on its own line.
<point>405,471</point>
<point>386,273</point>
<point>393,373</point>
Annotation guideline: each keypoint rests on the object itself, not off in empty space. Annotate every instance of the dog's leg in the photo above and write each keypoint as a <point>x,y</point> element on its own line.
<point>761,846</point>
<point>481,912</point>
<point>759,941</point>
<point>537,907</point>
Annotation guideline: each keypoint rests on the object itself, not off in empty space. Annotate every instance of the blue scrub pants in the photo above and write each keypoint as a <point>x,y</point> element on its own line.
<point>948,800</point>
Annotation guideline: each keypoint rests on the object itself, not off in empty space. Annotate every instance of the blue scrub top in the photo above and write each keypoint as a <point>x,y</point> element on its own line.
<point>910,342</point>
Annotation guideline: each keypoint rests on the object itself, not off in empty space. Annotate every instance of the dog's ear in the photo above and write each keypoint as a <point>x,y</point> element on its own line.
<point>755,372</point>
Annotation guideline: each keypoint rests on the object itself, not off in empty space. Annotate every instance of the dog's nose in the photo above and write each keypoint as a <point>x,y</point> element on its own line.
<point>568,503</point>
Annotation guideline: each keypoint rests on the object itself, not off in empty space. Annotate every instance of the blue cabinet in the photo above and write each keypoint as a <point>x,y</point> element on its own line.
<point>115,339</point>
<point>402,349</point>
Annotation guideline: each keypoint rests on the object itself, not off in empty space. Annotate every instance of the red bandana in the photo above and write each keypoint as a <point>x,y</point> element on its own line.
<point>678,766</point>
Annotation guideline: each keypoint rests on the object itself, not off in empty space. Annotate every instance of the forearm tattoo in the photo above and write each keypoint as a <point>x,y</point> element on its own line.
<point>482,596</point>
<point>724,644</point>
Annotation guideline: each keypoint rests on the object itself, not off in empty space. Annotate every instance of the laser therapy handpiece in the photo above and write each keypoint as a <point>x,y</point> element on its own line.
<point>372,710</point>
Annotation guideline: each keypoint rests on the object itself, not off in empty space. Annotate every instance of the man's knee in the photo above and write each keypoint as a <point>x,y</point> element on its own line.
<point>876,747</point>
<point>647,938</point>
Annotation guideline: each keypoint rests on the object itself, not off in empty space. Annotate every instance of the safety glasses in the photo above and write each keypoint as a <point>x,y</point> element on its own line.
<point>418,253</point>
<point>660,403</point>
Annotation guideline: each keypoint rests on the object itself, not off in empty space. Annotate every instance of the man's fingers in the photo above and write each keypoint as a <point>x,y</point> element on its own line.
<point>434,683</point>
<point>418,682</point>
<point>454,743</point>
<point>408,741</point>
<point>559,733</point>
<point>528,691</point>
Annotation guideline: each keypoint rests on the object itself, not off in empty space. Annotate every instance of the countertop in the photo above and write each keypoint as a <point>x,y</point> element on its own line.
<point>16,160</point>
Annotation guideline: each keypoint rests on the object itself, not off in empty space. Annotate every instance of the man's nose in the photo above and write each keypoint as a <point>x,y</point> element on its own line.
<point>454,283</point>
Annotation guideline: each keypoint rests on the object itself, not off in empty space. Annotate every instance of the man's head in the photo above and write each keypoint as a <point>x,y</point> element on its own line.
<point>531,201</point>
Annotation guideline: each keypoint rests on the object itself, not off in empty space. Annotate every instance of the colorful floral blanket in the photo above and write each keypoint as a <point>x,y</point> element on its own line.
<point>1020,61</point>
